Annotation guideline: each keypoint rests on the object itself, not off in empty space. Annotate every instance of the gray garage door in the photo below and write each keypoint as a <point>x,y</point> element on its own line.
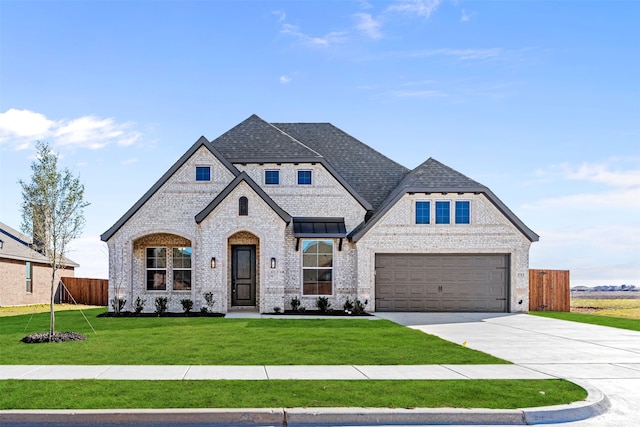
<point>420,282</point>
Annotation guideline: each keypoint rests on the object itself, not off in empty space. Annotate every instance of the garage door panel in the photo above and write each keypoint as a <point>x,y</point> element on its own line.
<point>427,282</point>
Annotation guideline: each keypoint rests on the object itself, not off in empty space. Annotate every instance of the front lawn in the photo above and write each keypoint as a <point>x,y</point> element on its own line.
<point>101,394</point>
<point>594,319</point>
<point>221,341</point>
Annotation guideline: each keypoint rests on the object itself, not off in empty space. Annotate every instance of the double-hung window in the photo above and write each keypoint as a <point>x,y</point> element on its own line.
<point>423,212</point>
<point>29,273</point>
<point>443,212</point>
<point>156,269</point>
<point>272,177</point>
<point>317,267</point>
<point>304,177</point>
<point>181,260</point>
<point>463,212</point>
<point>203,173</point>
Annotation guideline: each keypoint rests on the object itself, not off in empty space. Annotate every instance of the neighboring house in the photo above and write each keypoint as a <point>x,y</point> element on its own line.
<point>25,274</point>
<point>271,211</point>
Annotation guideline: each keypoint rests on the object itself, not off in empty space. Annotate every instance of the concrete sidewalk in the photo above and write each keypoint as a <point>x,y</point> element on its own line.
<point>286,372</point>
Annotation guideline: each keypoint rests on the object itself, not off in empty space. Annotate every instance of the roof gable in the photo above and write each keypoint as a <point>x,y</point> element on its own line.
<point>17,246</point>
<point>433,176</point>
<point>371,174</point>
<point>243,177</point>
<point>202,141</point>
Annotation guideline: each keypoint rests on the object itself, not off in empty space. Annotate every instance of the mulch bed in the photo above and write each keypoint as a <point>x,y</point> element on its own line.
<point>167,314</point>
<point>320,313</point>
<point>41,337</point>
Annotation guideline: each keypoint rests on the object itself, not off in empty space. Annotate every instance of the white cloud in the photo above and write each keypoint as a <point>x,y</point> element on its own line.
<point>327,40</point>
<point>423,8</point>
<point>599,173</point>
<point>466,16</point>
<point>21,128</point>
<point>280,14</point>
<point>416,93</point>
<point>368,25</point>
<point>285,79</point>
<point>461,54</point>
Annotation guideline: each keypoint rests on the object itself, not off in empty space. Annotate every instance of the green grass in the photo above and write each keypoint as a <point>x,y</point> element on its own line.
<point>614,322</point>
<point>220,341</point>
<point>101,394</point>
<point>627,308</point>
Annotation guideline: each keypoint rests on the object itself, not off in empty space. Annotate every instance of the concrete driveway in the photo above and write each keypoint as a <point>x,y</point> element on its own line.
<point>607,358</point>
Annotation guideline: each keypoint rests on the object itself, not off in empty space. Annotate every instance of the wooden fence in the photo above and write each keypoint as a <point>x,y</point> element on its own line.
<point>549,290</point>
<point>85,291</point>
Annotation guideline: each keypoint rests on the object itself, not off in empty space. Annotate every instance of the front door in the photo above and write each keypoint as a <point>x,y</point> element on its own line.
<point>243,275</point>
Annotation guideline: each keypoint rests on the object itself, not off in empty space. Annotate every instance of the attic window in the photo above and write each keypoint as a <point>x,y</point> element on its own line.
<point>272,177</point>
<point>243,206</point>
<point>203,173</point>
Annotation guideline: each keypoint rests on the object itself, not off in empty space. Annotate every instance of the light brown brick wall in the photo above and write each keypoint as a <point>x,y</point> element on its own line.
<point>13,279</point>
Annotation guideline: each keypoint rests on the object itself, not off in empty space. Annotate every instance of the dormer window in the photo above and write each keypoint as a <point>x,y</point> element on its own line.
<point>203,173</point>
<point>243,206</point>
<point>304,177</point>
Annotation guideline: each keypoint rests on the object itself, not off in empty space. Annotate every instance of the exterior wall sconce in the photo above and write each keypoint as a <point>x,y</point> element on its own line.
<point>213,262</point>
<point>273,262</point>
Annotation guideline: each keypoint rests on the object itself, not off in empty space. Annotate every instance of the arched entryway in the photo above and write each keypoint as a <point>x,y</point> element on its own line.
<point>244,270</point>
<point>163,264</point>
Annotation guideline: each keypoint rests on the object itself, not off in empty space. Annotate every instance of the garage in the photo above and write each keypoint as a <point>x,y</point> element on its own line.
<point>428,282</point>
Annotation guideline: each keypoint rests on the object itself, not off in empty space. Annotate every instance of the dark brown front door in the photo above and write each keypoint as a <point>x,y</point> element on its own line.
<point>243,275</point>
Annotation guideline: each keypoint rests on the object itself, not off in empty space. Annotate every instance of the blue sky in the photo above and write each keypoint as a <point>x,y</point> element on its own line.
<point>538,100</point>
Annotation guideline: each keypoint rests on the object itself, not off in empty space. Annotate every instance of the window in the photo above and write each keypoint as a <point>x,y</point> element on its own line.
<point>443,212</point>
<point>317,267</point>
<point>156,269</point>
<point>29,277</point>
<point>243,206</point>
<point>181,260</point>
<point>203,173</point>
<point>304,177</point>
<point>423,212</point>
<point>463,212</point>
<point>272,177</point>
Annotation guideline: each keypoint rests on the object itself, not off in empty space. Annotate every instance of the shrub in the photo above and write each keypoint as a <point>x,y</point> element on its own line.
<point>277,310</point>
<point>208,298</point>
<point>138,305</point>
<point>359,307</point>
<point>161,305</point>
<point>187,305</point>
<point>323,304</point>
<point>348,305</point>
<point>203,310</point>
<point>118,304</point>
<point>295,303</point>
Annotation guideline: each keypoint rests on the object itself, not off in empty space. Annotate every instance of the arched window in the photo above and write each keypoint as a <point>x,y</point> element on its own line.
<point>243,206</point>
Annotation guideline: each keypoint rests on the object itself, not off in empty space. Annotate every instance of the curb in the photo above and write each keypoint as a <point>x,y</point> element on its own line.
<point>595,404</point>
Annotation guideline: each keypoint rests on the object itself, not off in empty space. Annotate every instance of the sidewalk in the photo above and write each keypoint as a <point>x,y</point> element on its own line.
<point>285,372</point>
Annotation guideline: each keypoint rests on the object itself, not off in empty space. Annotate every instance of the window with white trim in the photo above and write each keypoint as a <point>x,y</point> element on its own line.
<point>423,212</point>
<point>463,212</point>
<point>317,267</point>
<point>156,263</point>
<point>181,263</point>
<point>272,177</point>
<point>203,173</point>
<point>304,177</point>
<point>29,274</point>
<point>443,212</point>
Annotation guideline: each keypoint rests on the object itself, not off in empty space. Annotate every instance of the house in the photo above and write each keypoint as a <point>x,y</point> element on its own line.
<point>271,211</point>
<point>25,274</point>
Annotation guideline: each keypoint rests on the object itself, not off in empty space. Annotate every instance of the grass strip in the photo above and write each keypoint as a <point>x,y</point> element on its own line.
<point>221,341</point>
<point>102,394</point>
<point>593,319</point>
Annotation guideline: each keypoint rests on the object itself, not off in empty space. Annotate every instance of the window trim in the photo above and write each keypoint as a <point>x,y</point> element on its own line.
<point>271,170</point>
<point>448,202</point>
<point>415,212</point>
<point>333,269</point>
<point>174,268</point>
<point>147,269</point>
<point>202,167</point>
<point>310,177</point>
<point>29,277</point>
<point>455,212</point>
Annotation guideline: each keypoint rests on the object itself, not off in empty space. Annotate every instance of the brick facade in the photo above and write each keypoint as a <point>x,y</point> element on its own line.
<point>13,282</point>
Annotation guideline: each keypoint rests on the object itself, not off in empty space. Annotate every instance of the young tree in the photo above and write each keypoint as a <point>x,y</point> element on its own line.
<point>52,212</point>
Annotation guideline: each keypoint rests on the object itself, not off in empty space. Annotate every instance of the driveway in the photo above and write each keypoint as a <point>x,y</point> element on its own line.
<point>607,358</point>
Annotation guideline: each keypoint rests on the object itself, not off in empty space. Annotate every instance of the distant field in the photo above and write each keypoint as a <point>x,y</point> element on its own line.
<point>605,295</point>
<point>41,308</point>
<point>625,308</point>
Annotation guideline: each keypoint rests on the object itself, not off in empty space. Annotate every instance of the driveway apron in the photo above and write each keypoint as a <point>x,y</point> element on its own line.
<point>607,358</point>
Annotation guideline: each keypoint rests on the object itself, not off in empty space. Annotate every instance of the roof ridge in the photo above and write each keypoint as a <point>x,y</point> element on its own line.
<point>296,140</point>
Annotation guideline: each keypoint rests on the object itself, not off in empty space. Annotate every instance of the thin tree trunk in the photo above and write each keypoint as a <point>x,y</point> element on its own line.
<point>52,315</point>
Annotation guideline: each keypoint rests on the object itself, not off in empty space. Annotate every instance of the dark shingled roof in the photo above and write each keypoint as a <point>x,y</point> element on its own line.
<point>369,172</point>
